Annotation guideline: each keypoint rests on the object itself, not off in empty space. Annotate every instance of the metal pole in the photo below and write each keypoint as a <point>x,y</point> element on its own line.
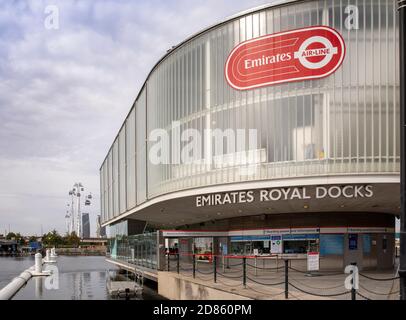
<point>177,262</point>
<point>215,268</point>
<point>244,266</point>
<point>286,279</point>
<point>194,266</point>
<point>353,291</point>
<point>402,45</point>
<point>168,261</point>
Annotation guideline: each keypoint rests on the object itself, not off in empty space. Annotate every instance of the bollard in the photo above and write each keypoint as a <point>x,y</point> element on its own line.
<point>215,269</point>
<point>194,266</point>
<point>244,270</point>
<point>53,255</point>
<point>286,279</point>
<point>38,262</point>
<point>48,255</point>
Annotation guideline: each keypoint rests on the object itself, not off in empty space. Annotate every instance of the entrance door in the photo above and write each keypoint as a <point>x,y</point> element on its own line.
<point>369,251</point>
<point>248,248</point>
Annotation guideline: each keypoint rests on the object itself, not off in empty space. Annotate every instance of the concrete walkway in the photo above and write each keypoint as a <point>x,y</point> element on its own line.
<point>270,284</point>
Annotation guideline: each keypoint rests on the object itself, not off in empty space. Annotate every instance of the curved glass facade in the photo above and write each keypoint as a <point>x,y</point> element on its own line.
<point>346,123</point>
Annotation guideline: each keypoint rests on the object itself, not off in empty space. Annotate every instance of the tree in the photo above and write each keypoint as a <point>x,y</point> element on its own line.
<point>72,240</point>
<point>11,236</point>
<point>52,239</point>
<point>16,237</point>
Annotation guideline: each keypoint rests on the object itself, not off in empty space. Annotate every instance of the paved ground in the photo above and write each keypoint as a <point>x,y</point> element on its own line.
<point>269,282</point>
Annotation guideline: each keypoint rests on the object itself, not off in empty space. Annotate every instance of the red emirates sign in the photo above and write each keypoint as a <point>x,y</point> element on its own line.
<point>296,55</point>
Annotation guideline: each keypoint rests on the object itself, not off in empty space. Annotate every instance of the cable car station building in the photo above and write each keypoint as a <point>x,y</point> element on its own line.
<point>273,132</point>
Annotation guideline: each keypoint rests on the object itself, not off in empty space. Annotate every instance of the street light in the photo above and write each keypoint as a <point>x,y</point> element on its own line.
<point>76,217</point>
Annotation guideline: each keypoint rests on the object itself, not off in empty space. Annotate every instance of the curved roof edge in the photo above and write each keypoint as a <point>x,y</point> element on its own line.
<point>272,4</point>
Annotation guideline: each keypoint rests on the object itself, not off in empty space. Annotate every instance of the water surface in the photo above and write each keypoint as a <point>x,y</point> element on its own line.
<point>80,278</point>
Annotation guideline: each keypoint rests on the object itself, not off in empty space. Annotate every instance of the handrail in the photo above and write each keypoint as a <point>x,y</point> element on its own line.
<point>15,285</point>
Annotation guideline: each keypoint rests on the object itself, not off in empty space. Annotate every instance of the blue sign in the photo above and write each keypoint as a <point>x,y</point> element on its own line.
<point>250,238</point>
<point>353,241</point>
<point>301,236</point>
<point>331,244</point>
<point>366,243</point>
<point>35,245</point>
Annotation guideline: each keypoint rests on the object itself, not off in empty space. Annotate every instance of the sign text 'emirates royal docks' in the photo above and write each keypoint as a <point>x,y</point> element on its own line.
<point>296,55</point>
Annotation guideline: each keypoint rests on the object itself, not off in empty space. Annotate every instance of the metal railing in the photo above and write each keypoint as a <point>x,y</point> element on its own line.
<point>245,273</point>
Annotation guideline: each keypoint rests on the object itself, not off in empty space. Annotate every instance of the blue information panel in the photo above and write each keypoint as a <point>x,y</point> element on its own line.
<point>301,236</point>
<point>366,243</point>
<point>353,241</point>
<point>331,244</point>
<point>250,238</point>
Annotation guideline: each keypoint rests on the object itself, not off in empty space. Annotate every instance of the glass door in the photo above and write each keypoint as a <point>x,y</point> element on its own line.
<point>248,248</point>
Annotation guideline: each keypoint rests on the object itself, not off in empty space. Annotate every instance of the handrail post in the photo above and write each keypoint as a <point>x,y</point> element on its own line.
<point>194,266</point>
<point>215,269</point>
<point>244,268</point>
<point>353,290</point>
<point>286,279</point>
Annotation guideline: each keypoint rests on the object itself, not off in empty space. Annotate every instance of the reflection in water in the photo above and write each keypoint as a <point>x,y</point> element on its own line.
<point>38,287</point>
<point>78,278</point>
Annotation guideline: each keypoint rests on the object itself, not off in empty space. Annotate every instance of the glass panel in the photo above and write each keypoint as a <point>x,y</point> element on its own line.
<point>110,184</point>
<point>115,180</point>
<point>139,249</point>
<point>122,170</point>
<point>102,193</point>
<point>130,143</point>
<point>141,153</point>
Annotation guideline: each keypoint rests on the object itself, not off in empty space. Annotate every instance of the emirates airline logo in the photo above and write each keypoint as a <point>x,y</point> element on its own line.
<point>296,55</point>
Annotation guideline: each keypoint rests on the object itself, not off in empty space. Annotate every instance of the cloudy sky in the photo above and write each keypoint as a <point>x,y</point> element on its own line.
<point>64,93</point>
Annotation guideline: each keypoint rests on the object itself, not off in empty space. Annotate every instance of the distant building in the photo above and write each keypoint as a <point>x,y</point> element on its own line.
<point>85,225</point>
<point>8,247</point>
<point>103,232</point>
